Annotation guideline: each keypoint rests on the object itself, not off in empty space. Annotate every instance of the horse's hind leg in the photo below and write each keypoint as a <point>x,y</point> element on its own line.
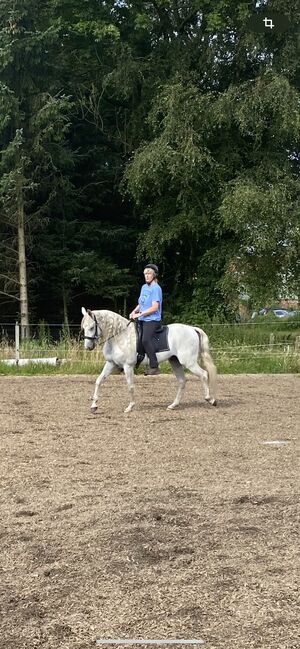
<point>181,378</point>
<point>203,375</point>
<point>129,373</point>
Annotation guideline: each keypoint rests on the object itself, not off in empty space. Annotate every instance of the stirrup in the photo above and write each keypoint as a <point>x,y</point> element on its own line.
<point>139,359</point>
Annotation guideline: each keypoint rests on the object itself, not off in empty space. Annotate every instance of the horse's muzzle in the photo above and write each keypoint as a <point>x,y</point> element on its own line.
<point>89,344</point>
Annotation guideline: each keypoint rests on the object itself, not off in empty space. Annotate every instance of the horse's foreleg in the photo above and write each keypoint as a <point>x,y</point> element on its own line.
<point>181,378</point>
<point>129,373</point>
<point>107,370</point>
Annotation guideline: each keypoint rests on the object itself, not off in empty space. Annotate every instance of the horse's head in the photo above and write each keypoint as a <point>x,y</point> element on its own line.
<point>90,327</point>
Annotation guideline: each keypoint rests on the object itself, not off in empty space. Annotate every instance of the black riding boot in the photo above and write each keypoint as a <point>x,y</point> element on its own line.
<point>149,329</point>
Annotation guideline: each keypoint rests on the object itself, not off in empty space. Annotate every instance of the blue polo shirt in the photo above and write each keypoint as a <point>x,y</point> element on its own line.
<point>148,295</point>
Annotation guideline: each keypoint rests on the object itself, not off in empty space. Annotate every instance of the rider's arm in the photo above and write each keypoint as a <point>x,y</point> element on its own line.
<point>135,310</point>
<point>152,309</point>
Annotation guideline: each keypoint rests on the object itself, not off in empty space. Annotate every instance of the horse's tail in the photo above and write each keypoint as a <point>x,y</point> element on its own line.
<point>207,360</point>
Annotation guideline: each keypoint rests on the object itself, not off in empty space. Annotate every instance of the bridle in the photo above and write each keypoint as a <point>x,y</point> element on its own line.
<point>97,336</point>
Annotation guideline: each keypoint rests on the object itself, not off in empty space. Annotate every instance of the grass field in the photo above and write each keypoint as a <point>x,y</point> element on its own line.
<point>268,345</point>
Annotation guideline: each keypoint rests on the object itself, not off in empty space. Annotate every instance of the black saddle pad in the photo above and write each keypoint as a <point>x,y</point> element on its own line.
<point>160,339</point>
<point>161,343</point>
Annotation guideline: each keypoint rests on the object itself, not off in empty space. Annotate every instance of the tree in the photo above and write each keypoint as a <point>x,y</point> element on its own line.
<point>88,244</point>
<point>33,130</point>
<point>178,105</point>
<point>224,142</point>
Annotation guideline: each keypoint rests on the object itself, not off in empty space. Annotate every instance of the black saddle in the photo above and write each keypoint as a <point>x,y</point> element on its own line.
<point>160,338</point>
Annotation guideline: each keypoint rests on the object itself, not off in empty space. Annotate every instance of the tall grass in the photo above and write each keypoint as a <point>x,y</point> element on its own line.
<point>262,331</point>
<point>264,345</point>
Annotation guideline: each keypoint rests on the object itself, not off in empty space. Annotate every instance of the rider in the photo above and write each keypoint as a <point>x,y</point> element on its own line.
<point>148,310</point>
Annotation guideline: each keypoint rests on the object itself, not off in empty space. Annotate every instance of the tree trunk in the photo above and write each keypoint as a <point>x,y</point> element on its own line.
<point>22,265</point>
<point>65,296</point>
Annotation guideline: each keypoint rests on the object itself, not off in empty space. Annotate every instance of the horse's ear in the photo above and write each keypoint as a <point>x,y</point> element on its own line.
<point>90,313</point>
<point>83,310</point>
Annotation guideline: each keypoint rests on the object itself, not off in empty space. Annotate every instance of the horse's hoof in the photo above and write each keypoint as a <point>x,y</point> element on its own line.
<point>128,409</point>
<point>212,402</point>
<point>94,409</point>
<point>172,406</point>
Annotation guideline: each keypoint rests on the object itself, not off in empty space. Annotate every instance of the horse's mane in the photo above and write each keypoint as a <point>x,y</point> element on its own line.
<point>111,323</point>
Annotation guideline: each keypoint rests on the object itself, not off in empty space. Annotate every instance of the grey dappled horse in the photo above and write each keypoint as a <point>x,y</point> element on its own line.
<point>118,334</point>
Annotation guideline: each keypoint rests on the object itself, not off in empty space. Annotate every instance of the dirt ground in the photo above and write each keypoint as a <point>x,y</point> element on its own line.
<point>155,524</point>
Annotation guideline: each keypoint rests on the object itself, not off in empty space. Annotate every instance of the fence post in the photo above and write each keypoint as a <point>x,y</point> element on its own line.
<point>17,342</point>
<point>272,340</point>
<point>297,344</point>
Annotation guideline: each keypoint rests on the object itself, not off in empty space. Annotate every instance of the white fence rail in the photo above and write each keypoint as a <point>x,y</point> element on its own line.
<point>54,343</point>
<point>47,344</point>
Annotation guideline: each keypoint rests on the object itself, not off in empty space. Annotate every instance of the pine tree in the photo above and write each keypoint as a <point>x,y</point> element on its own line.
<point>34,122</point>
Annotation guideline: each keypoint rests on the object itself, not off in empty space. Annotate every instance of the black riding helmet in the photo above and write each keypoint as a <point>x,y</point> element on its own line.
<point>153,267</point>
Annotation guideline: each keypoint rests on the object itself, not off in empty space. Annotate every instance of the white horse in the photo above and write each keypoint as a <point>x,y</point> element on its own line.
<point>118,334</point>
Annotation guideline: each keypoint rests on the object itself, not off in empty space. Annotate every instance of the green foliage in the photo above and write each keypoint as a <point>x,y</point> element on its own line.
<point>265,106</point>
<point>96,30</point>
<point>99,276</point>
<point>171,126</point>
<point>263,212</point>
<point>177,159</point>
<point>43,334</point>
<point>33,131</point>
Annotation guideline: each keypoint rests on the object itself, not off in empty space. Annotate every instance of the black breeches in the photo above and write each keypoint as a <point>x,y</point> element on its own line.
<point>149,329</point>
